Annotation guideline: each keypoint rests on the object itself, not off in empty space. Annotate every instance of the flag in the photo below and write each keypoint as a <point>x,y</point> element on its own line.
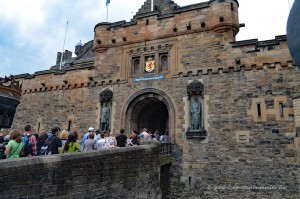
<point>107,2</point>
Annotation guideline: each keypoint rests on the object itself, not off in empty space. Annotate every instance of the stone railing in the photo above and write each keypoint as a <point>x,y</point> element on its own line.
<point>129,172</point>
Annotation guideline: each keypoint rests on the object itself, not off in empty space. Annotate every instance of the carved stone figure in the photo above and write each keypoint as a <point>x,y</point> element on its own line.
<point>196,114</point>
<point>105,117</point>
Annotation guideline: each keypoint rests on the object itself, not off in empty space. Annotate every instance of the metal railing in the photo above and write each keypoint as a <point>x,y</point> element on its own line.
<point>165,153</point>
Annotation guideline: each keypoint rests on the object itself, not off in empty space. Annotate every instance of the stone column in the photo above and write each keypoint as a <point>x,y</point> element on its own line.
<point>296,104</point>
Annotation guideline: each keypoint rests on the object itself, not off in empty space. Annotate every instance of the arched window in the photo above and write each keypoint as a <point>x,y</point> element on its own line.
<point>164,63</point>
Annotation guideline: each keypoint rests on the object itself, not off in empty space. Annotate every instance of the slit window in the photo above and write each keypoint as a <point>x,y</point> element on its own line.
<point>69,125</point>
<point>39,127</point>
<point>259,110</point>
<point>281,109</point>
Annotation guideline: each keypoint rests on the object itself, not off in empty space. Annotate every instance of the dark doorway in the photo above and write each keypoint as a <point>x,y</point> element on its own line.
<point>150,113</point>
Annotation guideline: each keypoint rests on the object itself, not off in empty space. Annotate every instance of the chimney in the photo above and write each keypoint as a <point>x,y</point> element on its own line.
<point>67,55</point>
<point>58,57</point>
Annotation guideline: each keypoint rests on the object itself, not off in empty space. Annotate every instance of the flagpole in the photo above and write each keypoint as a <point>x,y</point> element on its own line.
<point>107,12</point>
<point>62,54</point>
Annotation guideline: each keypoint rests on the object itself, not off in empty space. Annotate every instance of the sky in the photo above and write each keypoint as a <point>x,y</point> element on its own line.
<point>32,31</point>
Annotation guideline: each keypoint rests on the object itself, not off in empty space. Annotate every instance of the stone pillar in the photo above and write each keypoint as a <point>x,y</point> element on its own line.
<point>296,104</point>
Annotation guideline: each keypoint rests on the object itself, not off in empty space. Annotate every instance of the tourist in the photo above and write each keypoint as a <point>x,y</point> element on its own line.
<point>101,141</point>
<point>166,137</point>
<point>134,138</point>
<point>29,142</point>
<point>121,139</point>
<point>54,141</point>
<point>40,142</point>
<point>76,135</point>
<point>90,144</point>
<point>85,137</point>
<point>155,136</point>
<point>14,146</point>
<point>71,145</point>
<point>64,137</point>
<point>3,133</point>
<point>111,141</point>
<point>144,135</point>
<point>97,136</point>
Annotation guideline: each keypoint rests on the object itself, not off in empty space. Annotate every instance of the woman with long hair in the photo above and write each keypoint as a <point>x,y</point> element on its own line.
<point>71,145</point>
<point>40,142</point>
<point>14,146</point>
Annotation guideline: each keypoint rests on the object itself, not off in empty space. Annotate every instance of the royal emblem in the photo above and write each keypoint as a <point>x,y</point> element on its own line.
<point>150,65</point>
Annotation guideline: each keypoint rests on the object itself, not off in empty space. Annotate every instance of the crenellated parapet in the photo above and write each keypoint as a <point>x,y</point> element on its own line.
<point>168,20</point>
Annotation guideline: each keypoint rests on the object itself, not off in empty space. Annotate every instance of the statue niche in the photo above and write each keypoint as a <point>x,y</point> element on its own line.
<point>195,94</point>
<point>196,114</point>
<point>104,123</point>
<point>105,100</point>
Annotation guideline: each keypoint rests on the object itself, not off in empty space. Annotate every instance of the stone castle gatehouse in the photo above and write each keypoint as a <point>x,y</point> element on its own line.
<point>229,107</point>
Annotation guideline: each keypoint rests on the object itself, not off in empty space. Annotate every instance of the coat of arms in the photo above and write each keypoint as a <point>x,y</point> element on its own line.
<point>150,65</point>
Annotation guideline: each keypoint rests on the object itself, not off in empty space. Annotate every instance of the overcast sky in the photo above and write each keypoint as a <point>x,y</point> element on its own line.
<point>32,31</point>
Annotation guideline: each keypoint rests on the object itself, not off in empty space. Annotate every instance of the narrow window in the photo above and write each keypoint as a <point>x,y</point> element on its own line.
<point>281,109</point>
<point>259,110</point>
<point>231,6</point>
<point>136,66</point>
<point>69,125</point>
<point>39,127</point>
<point>164,63</point>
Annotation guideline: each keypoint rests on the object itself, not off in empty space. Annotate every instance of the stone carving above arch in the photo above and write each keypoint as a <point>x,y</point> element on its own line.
<point>195,88</point>
<point>106,96</point>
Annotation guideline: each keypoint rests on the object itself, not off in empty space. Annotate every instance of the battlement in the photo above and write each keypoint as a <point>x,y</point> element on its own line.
<point>168,20</point>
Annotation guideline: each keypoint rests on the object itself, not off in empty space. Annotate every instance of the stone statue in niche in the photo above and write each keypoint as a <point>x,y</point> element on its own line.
<point>105,117</point>
<point>196,114</point>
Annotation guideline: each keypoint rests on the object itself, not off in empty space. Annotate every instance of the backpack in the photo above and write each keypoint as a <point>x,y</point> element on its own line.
<point>27,145</point>
<point>46,148</point>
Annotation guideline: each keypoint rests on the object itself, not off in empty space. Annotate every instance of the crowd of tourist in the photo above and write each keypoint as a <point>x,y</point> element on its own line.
<point>14,144</point>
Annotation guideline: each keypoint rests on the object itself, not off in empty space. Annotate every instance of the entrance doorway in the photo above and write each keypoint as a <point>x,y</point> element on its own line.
<point>149,108</point>
<point>152,114</point>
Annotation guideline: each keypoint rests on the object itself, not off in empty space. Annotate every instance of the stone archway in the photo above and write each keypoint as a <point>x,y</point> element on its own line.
<point>149,108</point>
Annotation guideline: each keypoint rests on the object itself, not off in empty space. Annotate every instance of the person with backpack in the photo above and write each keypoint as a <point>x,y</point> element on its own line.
<point>53,144</point>
<point>29,142</point>
<point>40,142</point>
<point>71,144</point>
<point>14,146</point>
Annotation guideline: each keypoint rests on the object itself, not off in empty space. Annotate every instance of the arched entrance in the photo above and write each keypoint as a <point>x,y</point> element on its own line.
<point>150,113</point>
<point>149,108</point>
